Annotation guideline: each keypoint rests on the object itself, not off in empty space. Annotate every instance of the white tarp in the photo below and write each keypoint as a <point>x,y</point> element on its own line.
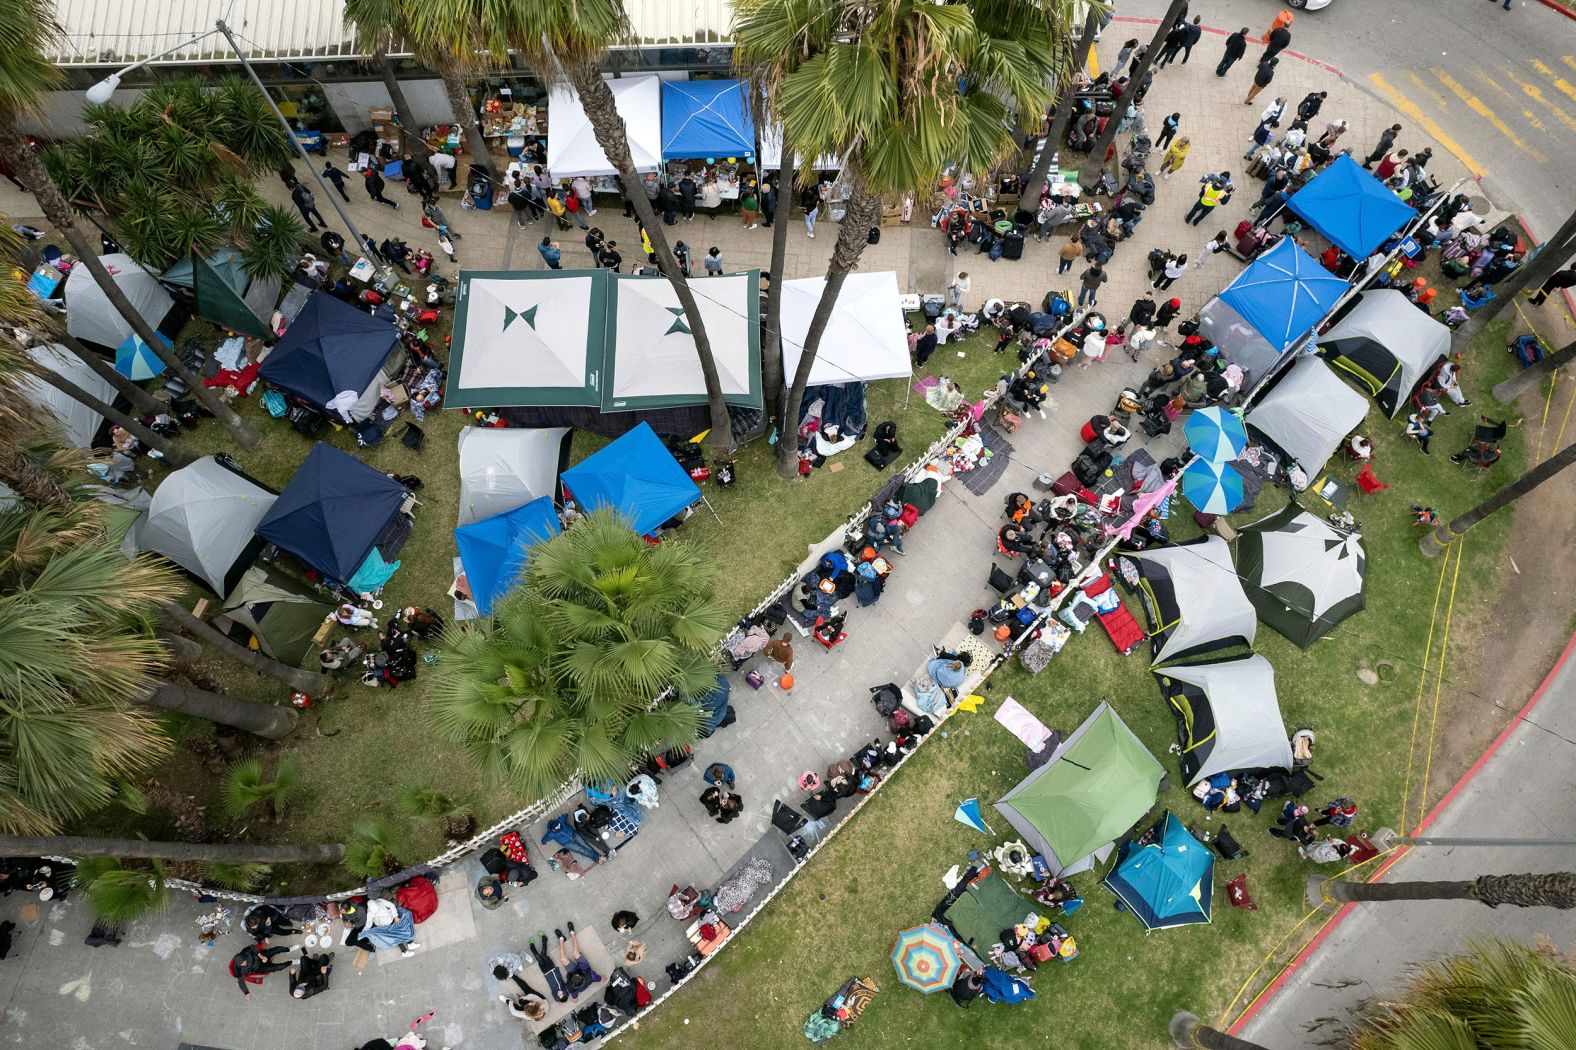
<point>92,317</point>
<point>572,148</point>
<point>77,421</point>
<point>865,338</point>
<point>1309,413</point>
<point>507,468</point>
<point>1249,730</point>
<point>1206,607</point>
<point>204,518</point>
<point>653,361</point>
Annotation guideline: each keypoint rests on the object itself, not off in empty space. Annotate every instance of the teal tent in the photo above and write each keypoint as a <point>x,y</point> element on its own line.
<point>1168,880</point>
<point>225,294</point>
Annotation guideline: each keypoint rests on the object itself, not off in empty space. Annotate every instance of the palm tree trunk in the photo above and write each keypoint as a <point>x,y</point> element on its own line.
<point>1188,1031</point>
<point>1064,115</point>
<point>140,399</point>
<point>402,111</point>
<point>772,351</point>
<point>1096,162</point>
<point>31,170</point>
<point>308,682</point>
<point>1551,256</point>
<point>30,480</point>
<point>264,720</point>
<point>862,211</point>
<point>602,112</point>
<point>175,455</point>
<point>141,849</point>
<point>1556,889</point>
<point>465,113</point>
<point>1445,533</point>
<point>1512,388</point>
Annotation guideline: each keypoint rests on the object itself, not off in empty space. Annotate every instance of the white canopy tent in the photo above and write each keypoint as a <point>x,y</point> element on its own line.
<point>865,338</point>
<point>771,154</point>
<point>528,337</point>
<point>1308,413</point>
<point>91,317</point>
<point>77,421</point>
<point>502,470</point>
<point>652,361</point>
<point>572,148</point>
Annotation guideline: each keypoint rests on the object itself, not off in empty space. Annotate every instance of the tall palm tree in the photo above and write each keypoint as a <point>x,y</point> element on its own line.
<point>373,21</point>
<point>1447,532</point>
<point>1555,889</point>
<point>1096,162</point>
<point>27,27</point>
<point>1550,256</point>
<point>1512,388</point>
<point>216,852</point>
<point>1052,143</point>
<point>1188,1032</point>
<point>588,665</point>
<point>899,90</point>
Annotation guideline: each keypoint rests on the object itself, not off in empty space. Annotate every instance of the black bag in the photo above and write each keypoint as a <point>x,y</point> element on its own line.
<point>1000,582</point>
<point>874,236</point>
<point>1088,467</point>
<point>882,456</point>
<point>1227,846</point>
<point>1012,245</point>
<point>786,819</point>
<point>1023,218</point>
<point>979,233</point>
<point>494,862</point>
<point>1156,425</point>
<point>933,305</point>
<point>887,698</point>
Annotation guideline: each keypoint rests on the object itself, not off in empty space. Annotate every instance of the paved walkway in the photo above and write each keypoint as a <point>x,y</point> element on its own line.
<point>160,985</point>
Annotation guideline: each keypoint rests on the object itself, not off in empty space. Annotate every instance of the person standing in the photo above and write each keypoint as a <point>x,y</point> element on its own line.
<point>1173,269</point>
<point>1168,130</point>
<point>582,187</point>
<point>719,774</point>
<point>1191,33</point>
<point>1388,166</point>
<point>749,206</point>
<point>681,252</point>
<point>959,291</point>
<point>520,201</point>
<point>1261,137</point>
<point>1174,158</point>
<point>443,168</point>
<point>574,209</point>
<point>306,204</point>
<point>1282,20</point>
<point>1386,140</point>
<point>713,261</point>
<point>687,192</point>
<point>811,202</point>
<point>337,177</point>
<point>1122,56</point>
<point>768,201</point>
<point>1261,78</point>
<point>550,253</point>
<point>710,197</point>
<point>1068,255</point>
<point>1214,191</point>
<point>1279,40</point>
<point>1089,284</point>
<point>1212,247</point>
<point>1172,46</point>
<point>334,245</point>
<point>609,258</point>
<point>1236,47</point>
<point>1558,281</point>
<point>375,185</point>
<point>1310,105</point>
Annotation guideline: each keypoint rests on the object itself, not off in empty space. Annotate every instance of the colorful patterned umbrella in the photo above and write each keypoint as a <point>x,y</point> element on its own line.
<point>1214,488</point>
<point>928,958</point>
<point>1215,434</point>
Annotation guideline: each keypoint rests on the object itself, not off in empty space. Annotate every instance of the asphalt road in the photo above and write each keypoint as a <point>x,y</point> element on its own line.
<point>1495,87</point>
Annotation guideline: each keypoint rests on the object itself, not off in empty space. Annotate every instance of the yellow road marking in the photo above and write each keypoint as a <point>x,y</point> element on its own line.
<point>1532,118</point>
<point>1477,106</point>
<point>1568,60</point>
<point>1411,110</point>
<point>1535,93</point>
<point>1565,86</point>
<point>1417,82</point>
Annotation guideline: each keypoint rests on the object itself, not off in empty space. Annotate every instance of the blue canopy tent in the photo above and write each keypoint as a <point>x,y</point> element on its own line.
<point>1279,298</point>
<point>1168,882</point>
<point>334,512</point>
<point>494,550</point>
<point>636,476</point>
<point>330,348</point>
<point>1354,210</point>
<point>706,118</point>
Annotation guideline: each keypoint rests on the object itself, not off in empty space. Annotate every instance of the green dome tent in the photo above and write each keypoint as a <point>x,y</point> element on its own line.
<point>1303,575</point>
<point>283,617</point>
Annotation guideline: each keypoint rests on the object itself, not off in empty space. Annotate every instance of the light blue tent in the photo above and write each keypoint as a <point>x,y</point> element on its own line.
<point>1354,210</point>
<point>706,118</point>
<point>637,477</point>
<point>1169,882</point>
<point>494,550</point>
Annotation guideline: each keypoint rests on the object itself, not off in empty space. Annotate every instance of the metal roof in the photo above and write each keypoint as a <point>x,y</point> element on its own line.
<point>118,32</point>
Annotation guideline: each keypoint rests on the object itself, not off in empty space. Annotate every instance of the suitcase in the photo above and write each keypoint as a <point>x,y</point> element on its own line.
<point>933,305</point>
<point>1064,351</point>
<point>1066,485</point>
<point>1012,245</point>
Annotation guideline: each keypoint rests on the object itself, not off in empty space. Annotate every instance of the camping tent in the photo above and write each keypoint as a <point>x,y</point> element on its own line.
<point>650,360</point>
<point>528,337</point>
<point>636,476</point>
<point>1354,210</point>
<point>1308,413</point>
<point>494,549</point>
<point>706,118</point>
<point>1277,299</point>
<point>865,339</point>
<point>501,469</point>
<point>572,147</point>
<point>1228,717</point>
<point>1302,574</point>
<point>1098,783</point>
<point>988,906</point>
<point>1167,882</point>
<point>125,512</point>
<point>1193,597</point>
<point>282,616</point>
<point>333,348</point>
<point>79,423</point>
<point>202,518</point>
<point>225,293</point>
<point>1387,344</point>
<point>333,513</point>
<point>91,317</point>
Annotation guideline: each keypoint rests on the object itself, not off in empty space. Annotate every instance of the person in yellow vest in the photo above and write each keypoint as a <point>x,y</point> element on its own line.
<point>1215,191</point>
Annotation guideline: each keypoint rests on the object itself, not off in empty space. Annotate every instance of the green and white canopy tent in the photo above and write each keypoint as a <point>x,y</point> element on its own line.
<point>1303,575</point>
<point>591,338</point>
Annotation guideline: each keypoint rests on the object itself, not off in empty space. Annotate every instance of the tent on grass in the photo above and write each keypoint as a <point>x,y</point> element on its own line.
<point>706,118</point>
<point>92,318</point>
<point>333,349</point>
<point>335,513</point>
<point>281,615</point>
<point>1308,413</point>
<point>1354,210</point>
<point>501,469</point>
<point>1302,574</point>
<point>865,339</point>
<point>79,423</point>
<point>1388,345</point>
<point>203,517</point>
<point>1096,785</point>
<point>528,337</point>
<point>1228,716</point>
<point>1274,302</point>
<point>636,476</point>
<point>1169,881</point>
<point>126,510</point>
<point>1193,597</point>
<point>225,294</point>
<point>988,906</point>
<point>650,359</point>
<point>572,148</point>
<point>494,550</point>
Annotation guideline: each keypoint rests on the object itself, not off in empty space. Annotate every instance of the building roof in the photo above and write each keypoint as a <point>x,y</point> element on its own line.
<point>114,34</point>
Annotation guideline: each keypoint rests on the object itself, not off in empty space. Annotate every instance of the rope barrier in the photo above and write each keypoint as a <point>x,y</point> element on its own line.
<point>1422,680</point>
<point>1450,608</point>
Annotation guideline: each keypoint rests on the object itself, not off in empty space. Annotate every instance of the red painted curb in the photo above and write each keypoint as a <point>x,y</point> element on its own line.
<point>1561,8</point>
<point>1258,43</point>
<point>1308,949</point>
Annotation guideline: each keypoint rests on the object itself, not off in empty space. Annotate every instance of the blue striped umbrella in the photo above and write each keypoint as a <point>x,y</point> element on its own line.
<point>1214,488</point>
<point>136,361</point>
<point>926,958</point>
<point>1215,434</point>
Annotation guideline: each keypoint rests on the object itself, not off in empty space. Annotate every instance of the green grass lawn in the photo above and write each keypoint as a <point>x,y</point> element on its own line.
<point>882,873</point>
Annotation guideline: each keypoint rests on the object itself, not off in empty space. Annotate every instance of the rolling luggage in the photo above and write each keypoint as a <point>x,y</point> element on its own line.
<point>1012,245</point>
<point>933,305</point>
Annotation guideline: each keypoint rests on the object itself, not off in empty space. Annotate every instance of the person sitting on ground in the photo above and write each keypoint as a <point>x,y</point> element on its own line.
<point>340,656</point>
<point>310,975</point>
<point>1018,508</point>
<point>1425,517</point>
<point>266,921</point>
<point>948,672</point>
<point>355,618</point>
<point>1360,448</point>
<point>256,960</point>
<point>578,974</point>
<point>1327,851</point>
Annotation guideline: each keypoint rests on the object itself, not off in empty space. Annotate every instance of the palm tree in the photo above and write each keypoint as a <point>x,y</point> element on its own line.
<point>1446,532</point>
<point>588,665</point>
<point>375,847</point>
<point>243,877</point>
<point>419,799</point>
<point>1052,143</point>
<point>1550,256</point>
<point>245,787</point>
<point>120,895</point>
<point>1096,162</point>
<point>932,79</point>
<point>237,853</point>
<point>1556,889</point>
<point>271,721</point>
<point>1187,1031</point>
<point>1512,388</point>
<point>27,27</point>
<point>373,21</point>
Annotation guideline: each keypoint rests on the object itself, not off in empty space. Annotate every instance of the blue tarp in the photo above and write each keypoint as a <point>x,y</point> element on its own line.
<point>1283,294</point>
<point>1350,207</point>
<point>1168,882</point>
<point>714,706</point>
<point>637,477</point>
<point>706,118</point>
<point>494,549</point>
<point>329,348</point>
<point>332,512</point>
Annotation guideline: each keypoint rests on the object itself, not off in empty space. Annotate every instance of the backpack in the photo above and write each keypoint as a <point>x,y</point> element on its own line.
<point>888,699</point>
<point>494,862</point>
<point>899,721</point>
<point>874,236</point>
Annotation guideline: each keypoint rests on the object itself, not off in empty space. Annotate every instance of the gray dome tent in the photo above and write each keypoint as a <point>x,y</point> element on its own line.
<point>1228,716</point>
<point>203,518</point>
<point>1308,413</point>
<point>1302,574</point>
<point>1388,345</point>
<point>1194,599</point>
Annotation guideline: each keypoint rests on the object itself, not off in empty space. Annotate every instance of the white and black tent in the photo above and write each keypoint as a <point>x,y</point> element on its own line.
<point>503,470</point>
<point>1302,574</point>
<point>79,423</point>
<point>1387,344</point>
<point>1194,600</point>
<point>1308,413</point>
<point>1228,716</point>
<point>92,318</point>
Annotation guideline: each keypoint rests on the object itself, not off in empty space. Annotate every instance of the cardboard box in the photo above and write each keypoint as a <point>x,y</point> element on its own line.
<point>397,394</point>
<point>381,114</point>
